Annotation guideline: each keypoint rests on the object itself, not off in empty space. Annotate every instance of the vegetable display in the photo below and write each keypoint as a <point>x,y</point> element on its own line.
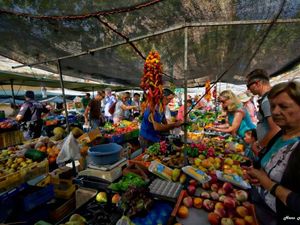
<point>128,180</point>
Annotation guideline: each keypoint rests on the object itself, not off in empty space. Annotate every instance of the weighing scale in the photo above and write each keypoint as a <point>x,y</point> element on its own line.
<point>108,173</point>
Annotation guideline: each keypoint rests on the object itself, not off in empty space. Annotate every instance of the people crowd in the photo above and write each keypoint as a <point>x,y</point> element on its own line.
<point>270,131</point>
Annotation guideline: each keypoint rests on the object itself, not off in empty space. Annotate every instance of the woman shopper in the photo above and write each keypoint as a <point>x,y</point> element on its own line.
<point>238,118</point>
<point>279,174</point>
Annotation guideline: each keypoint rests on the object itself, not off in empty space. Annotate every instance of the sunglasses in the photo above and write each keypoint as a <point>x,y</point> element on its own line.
<point>250,84</point>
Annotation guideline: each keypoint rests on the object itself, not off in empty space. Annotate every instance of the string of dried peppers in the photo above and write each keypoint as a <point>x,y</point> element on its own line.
<point>207,91</point>
<point>151,81</point>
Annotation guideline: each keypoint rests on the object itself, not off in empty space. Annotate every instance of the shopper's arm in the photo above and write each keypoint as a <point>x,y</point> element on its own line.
<point>289,198</point>
<point>238,116</point>
<point>163,127</point>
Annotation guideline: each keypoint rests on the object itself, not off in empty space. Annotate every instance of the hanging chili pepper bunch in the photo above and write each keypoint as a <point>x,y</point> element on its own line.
<point>151,81</point>
<point>207,91</point>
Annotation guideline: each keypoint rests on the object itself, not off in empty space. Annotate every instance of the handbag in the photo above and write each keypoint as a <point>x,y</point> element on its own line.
<point>112,108</point>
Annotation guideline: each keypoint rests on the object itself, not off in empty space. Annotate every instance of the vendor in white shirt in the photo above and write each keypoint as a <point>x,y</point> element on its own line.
<point>108,101</point>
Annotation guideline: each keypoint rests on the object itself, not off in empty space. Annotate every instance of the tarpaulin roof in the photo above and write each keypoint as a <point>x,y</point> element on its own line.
<point>19,79</point>
<point>111,38</point>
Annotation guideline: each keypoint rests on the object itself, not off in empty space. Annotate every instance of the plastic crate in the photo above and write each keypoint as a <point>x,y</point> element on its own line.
<point>64,191</point>
<point>10,181</point>
<point>36,169</point>
<point>35,196</point>
<point>61,208</point>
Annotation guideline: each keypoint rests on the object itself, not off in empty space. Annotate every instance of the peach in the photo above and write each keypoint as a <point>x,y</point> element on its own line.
<point>220,211</point>
<point>221,191</point>
<point>208,205</point>
<point>213,218</point>
<point>214,195</point>
<point>214,187</point>
<point>242,211</point>
<point>241,195</point>
<point>188,201</point>
<point>205,194</point>
<point>249,220</point>
<point>239,221</point>
<point>197,202</point>
<point>183,212</point>
<point>219,205</point>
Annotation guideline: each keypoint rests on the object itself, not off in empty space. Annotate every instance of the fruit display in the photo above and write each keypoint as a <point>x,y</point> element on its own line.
<point>8,124</point>
<point>151,82</point>
<point>45,145</point>
<point>14,164</point>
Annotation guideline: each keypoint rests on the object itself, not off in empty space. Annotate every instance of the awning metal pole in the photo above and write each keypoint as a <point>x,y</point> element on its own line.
<point>185,92</point>
<point>63,94</point>
<point>13,94</point>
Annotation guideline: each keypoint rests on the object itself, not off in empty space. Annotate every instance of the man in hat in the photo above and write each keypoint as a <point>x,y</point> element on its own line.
<point>258,83</point>
<point>246,99</point>
<point>30,116</point>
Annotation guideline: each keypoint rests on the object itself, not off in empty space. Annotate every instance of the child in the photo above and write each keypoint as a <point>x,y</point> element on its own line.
<point>250,138</point>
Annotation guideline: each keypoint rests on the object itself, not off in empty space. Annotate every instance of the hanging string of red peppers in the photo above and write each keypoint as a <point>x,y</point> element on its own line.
<point>207,91</point>
<point>151,81</point>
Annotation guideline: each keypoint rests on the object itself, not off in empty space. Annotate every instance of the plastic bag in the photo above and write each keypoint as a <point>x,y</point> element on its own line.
<point>69,151</point>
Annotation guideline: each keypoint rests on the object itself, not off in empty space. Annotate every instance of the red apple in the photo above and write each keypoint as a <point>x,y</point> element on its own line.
<point>227,221</point>
<point>214,195</point>
<point>227,187</point>
<point>229,203</point>
<point>220,211</point>
<point>208,205</point>
<point>213,218</point>
<point>214,187</point>
<point>191,189</point>
<point>242,211</point>
<point>205,194</point>
<point>188,201</point>
<point>241,195</point>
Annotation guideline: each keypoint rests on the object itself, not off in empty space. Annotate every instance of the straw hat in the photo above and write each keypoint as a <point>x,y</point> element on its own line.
<point>244,97</point>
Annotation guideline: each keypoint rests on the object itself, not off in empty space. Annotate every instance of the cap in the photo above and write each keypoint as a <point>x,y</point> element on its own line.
<point>29,94</point>
<point>244,97</point>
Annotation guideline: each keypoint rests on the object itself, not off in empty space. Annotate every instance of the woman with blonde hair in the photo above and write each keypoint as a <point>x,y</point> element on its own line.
<point>238,118</point>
